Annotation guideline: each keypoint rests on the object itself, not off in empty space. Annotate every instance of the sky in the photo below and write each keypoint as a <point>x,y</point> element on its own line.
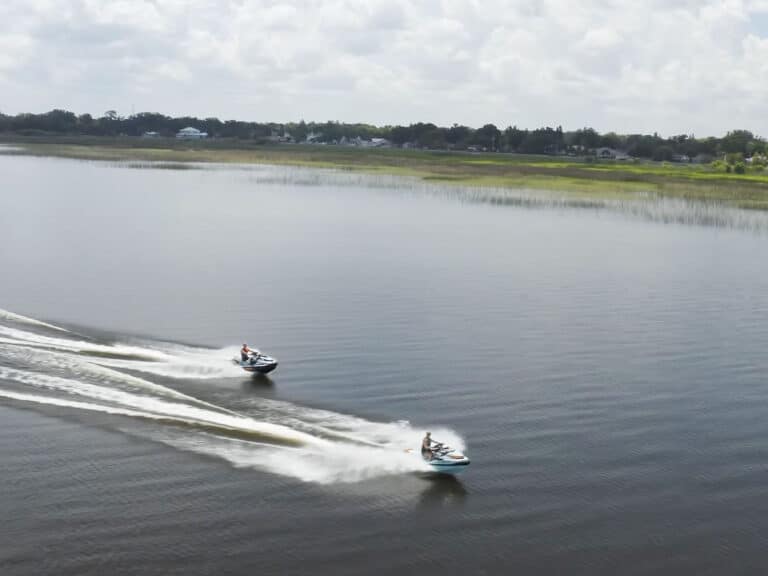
<point>689,66</point>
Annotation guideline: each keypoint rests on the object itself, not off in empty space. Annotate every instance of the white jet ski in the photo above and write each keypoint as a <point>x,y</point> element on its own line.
<point>257,363</point>
<point>444,459</point>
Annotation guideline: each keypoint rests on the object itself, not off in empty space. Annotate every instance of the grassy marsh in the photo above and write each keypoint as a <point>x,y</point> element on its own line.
<point>573,176</point>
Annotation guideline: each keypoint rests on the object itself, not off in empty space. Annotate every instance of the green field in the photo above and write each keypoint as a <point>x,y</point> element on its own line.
<point>574,176</point>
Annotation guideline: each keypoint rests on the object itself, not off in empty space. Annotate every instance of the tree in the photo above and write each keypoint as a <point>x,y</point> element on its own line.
<point>299,131</point>
<point>85,123</point>
<point>736,141</point>
<point>663,153</point>
<point>489,137</point>
<point>610,140</point>
<point>587,138</point>
<point>400,135</point>
<point>513,138</point>
<point>427,135</point>
<point>643,145</point>
<point>543,141</point>
<point>458,136</point>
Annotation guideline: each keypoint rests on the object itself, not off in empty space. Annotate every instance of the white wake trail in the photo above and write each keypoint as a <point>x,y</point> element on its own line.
<point>336,463</point>
<point>55,361</point>
<point>314,445</point>
<point>399,435</point>
<point>150,407</point>
<point>173,362</point>
<point>19,319</point>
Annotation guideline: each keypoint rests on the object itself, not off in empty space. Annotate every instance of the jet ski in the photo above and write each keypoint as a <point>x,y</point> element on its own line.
<point>257,363</point>
<point>444,459</point>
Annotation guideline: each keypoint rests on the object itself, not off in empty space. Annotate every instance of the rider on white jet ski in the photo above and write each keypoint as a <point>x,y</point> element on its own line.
<point>426,447</point>
<point>248,355</point>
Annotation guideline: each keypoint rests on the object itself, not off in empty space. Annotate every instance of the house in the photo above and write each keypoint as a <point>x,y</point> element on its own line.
<point>605,153</point>
<point>151,135</point>
<point>611,154</point>
<point>277,138</point>
<point>190,133</point>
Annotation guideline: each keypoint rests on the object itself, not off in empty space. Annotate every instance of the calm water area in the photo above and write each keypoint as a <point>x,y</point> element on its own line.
<point>604,369</point>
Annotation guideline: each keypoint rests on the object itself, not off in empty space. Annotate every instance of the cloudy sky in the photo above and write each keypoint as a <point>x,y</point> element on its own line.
<point>689,66</point>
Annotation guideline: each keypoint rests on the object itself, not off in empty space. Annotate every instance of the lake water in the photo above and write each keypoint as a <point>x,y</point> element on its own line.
<point>604,366</point>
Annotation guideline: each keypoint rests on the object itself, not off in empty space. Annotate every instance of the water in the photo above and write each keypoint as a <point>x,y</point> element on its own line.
<point>603,365</point>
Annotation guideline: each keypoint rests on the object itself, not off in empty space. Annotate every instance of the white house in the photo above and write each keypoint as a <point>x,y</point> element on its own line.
<point>190,133</point>
<point>611,154</point>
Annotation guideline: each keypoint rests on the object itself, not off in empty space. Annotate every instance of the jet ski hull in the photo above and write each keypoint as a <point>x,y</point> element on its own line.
<point>261,365</point>
<point>445,461</point>
<point>264,369</point>
<point>449,467</point>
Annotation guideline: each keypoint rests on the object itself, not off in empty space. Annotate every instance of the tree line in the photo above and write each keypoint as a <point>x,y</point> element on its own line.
<point>547,140</point>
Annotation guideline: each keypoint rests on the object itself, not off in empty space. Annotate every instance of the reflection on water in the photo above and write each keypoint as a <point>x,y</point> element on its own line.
<point>257,382</point>
<point>637,204</point>
<point>645,205</point>
<point>442,490</point>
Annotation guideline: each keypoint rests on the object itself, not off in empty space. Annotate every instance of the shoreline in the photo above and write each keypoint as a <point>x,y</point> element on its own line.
<point>573,176</point>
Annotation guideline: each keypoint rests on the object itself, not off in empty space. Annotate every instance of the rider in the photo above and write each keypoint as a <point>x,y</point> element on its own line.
<point>426,446</point>
<point>244,352</point>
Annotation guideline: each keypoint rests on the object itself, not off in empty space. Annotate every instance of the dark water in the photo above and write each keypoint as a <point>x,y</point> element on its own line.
<point>606,374</point>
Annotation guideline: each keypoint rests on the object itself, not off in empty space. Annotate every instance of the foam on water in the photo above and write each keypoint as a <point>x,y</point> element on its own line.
<point>19,319</point>
<point>47,368</point>
<point>395,435</point>
<point>57,362</point>
<point>340,463</point>
<point>161,359</point>
<point>155,406</point>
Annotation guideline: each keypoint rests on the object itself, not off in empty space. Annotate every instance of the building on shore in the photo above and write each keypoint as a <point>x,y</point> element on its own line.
<point>190,133</point>
<point>277,138</point>
<point>611,154</point>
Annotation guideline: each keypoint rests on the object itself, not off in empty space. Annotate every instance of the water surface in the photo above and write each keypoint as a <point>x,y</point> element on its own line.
<point>604,368</point>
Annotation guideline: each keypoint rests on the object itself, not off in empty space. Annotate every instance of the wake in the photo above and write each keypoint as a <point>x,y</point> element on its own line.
<point>45,365</point>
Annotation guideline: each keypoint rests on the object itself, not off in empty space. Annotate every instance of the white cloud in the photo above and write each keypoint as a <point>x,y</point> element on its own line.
<point>689,66</point>
<point>600,39</point>
<point>15,50</point>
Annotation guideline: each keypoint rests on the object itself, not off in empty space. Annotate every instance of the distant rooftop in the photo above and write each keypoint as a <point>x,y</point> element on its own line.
<point>190,132</point>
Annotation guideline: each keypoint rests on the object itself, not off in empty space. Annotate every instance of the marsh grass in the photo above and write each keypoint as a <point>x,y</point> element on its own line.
<point>598,180</point>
